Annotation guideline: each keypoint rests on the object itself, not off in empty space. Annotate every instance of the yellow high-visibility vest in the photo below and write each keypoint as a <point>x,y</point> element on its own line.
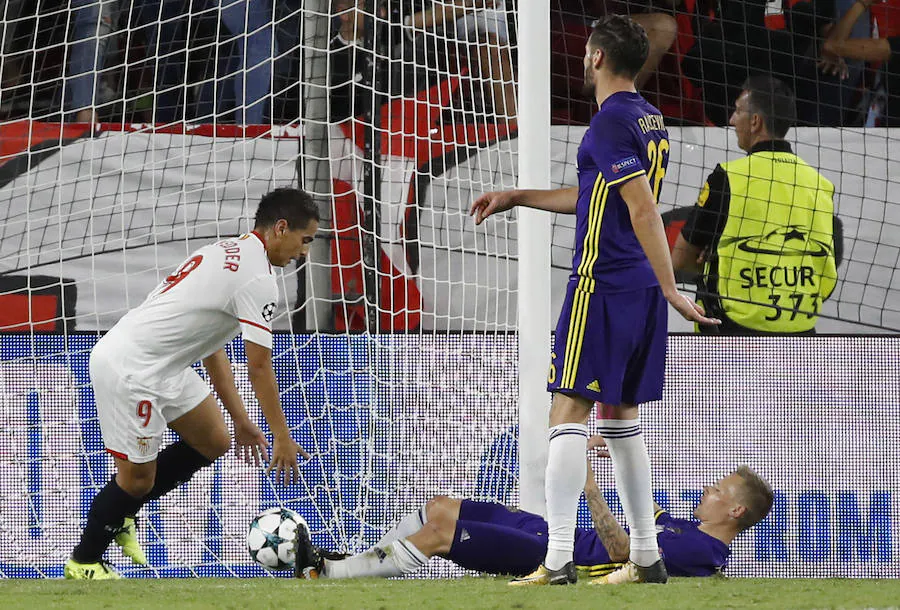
<point>774,264</point>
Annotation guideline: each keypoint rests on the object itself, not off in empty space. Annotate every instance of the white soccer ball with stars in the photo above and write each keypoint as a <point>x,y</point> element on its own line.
<point>270,540</point>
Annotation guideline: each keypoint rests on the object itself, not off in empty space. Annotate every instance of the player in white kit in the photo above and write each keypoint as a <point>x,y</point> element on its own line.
<point>143,380</point>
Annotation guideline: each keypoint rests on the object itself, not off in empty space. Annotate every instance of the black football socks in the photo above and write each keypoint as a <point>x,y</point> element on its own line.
<point>176,464</point>
<point>108,511</point>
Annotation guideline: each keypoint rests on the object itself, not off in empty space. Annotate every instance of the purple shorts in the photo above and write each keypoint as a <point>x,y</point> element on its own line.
<point>498,539</point>
<point>507,516</point>
<point>610,348</point>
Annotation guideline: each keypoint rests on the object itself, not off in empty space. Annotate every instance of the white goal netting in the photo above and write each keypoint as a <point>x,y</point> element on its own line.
<point>134,131</point>
<point>157,129</point>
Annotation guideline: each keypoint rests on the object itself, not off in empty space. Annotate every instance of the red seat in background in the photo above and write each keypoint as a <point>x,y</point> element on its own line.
<point>887,16</point>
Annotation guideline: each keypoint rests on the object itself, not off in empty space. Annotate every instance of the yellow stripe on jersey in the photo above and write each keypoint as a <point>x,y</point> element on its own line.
<point>591,251</point>
<point>599,187</point>
<point>589,254</point>
<point>628,177</point>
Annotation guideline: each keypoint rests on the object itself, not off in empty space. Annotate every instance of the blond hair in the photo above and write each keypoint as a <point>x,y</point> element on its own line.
<point>756,495</point>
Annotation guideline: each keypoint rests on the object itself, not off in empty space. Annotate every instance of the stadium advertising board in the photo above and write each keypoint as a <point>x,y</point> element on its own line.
<point>397,419</point>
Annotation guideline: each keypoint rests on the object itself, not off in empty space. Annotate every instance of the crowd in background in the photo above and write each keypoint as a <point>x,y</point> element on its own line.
<point>240,61</point>
<point>715,46</point>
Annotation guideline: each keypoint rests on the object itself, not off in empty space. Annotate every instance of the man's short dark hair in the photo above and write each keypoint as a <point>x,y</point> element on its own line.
<point>624,42</point>
<point>772,100</point>
<point>293,205</point>
<point>756,496</point>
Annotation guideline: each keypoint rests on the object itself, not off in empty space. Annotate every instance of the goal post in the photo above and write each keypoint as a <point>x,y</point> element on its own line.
<point>534,321</point>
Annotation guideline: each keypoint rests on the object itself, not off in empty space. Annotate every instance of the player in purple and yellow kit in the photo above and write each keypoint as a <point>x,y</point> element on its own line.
<point>493,538</point>
<point>610,341</point>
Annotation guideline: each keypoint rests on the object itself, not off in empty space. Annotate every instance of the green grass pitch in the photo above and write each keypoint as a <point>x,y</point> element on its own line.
<point>466,593</point>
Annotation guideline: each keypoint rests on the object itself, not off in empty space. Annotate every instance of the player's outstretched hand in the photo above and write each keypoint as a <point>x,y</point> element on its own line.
<point>691,311</point>
<point>491,203</point>
<point>284,460</point>
<point>250,444</point>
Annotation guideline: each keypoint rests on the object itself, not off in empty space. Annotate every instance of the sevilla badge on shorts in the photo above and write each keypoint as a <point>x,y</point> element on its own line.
<point>147,445</point>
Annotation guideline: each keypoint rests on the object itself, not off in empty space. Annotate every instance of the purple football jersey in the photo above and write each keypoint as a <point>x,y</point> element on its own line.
<point>626,138</point>
<point>685,550</point>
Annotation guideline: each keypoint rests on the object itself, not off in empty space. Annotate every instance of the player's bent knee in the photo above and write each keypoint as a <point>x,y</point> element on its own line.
<point>212,447</point>
<point>442,507</point>
<point>137,480</point>
<point>436,503</point>
<point>218,445</point>
<point>440,534</point>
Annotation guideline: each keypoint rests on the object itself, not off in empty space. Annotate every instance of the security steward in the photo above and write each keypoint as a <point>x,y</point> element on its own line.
<point>762,233</point>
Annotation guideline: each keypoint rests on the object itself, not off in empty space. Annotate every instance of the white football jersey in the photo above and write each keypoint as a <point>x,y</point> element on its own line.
<point>221,290</point>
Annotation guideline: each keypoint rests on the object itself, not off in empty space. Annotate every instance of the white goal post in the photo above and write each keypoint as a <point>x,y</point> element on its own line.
<point>534,321</point>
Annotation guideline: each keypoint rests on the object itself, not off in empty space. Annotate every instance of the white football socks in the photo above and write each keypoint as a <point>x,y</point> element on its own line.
<point>408,525</point>
<point>631,465</point>
<point>566,472</point>
<point>392,555</point>
<point>399,558</point>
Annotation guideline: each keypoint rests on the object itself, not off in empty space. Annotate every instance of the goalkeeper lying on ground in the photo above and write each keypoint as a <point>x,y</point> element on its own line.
<point>494,538</point>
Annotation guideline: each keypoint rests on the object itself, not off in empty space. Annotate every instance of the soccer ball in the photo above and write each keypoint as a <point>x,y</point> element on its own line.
<point>270,540</point>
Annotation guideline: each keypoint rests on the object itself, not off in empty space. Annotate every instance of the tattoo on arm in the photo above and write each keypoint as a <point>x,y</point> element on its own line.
<point>612,535</point>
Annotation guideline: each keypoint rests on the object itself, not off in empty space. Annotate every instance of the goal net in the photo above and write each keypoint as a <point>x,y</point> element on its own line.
<point>134,132</point>
<point>196,116</point>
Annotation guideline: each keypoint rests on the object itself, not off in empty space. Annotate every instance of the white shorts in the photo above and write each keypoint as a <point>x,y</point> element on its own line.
<point>134,415</point>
